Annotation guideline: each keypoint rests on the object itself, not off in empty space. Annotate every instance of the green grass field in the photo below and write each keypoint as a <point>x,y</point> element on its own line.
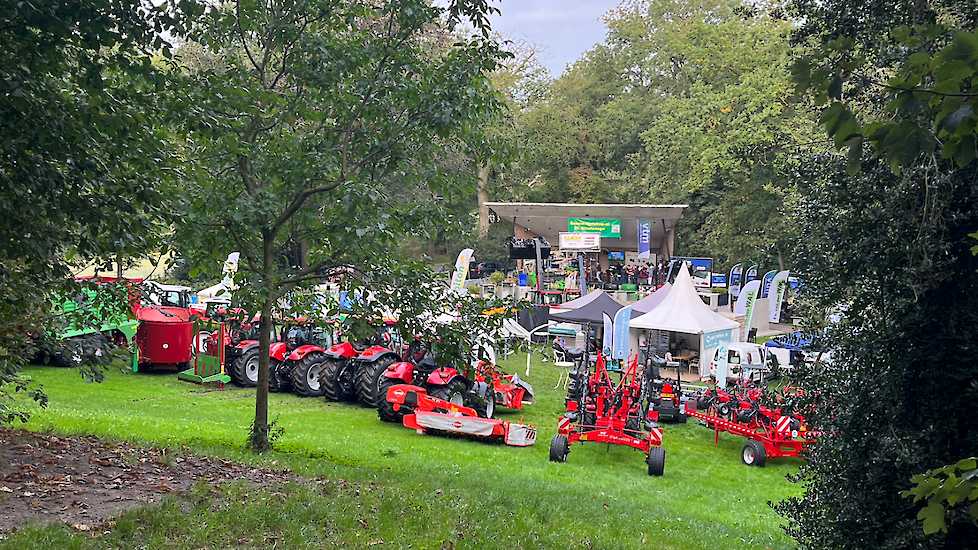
<point>404,490</point>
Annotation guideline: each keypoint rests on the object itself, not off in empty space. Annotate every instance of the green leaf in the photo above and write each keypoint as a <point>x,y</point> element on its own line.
<point>835,88</point>
<point>964,47</point>
<point>933,516</point>
<point>953,120</point>
<point>965,150</point>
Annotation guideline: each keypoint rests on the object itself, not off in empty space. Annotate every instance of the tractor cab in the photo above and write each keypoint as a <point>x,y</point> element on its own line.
<point>165,295</point>
<point>306,332</point>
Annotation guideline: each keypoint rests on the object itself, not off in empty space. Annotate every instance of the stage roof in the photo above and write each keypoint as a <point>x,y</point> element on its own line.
<point>549,220</point>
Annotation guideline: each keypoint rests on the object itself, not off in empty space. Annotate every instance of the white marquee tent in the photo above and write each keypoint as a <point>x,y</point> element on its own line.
<point>683,311</point>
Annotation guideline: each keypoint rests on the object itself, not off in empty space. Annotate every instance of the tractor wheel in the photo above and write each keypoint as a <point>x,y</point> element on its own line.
<point>453,392</point>
<point>244,371</point>
<point>753,454</point>
<point>588,421</point>
<point>490,405</point>
<point>633,427</point>
<point>680,418</point>
<point>283,375</point>
<point>305,375</point>
<point>386,410</point>
<point>336,380</point>
<point>368,381</point>
<point>724,409</point>
<point>657,461</point>
<point>559,448</point>
<point>274,381</point>
<point>71,356</point>
<point>482,398</point>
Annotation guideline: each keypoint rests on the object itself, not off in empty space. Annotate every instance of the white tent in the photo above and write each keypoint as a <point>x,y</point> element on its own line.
<point>210,292</point>
<point>683,311</point>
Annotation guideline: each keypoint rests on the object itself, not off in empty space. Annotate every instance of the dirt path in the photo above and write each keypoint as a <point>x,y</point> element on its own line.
<point>81,481</point>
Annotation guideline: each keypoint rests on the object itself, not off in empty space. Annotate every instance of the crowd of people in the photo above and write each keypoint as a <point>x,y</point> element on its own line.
<point>619,274</point>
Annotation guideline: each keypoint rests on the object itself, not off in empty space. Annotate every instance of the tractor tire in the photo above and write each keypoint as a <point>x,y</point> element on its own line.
<point>71,356</point>
<point>657,461</point>
<point>724,409</point>
<point>633,427</point>
<point>386,410</point>
<point>680,418</point>
<point>368,382</point>
<point>244,371</point>
<point>588,421</point>
<point>274,378</point>
<point>482,398</point>
<point>336,381</point>
<point>754,454</point>
<point>453,392</point>
<point>305,375</point>
<point>283,375</point>
<point>559,448</point>
<point>489,409</point>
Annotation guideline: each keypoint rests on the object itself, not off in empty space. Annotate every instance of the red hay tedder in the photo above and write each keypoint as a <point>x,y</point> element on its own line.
<point>602,411</point>
<point>770,433</point>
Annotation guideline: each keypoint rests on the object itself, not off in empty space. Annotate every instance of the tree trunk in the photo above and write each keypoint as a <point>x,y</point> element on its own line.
<point>259,431</point>
<point>482,193</point>
<point>781,261</point>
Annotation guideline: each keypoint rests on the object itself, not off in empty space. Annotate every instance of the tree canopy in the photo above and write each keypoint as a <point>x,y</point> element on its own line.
<point>83,150</point>
<point>885,241</point>
<point>312,107</point>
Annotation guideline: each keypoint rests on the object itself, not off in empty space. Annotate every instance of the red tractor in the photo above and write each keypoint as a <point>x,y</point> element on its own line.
<point>346,369</point>
<point>603,411</point>
<point>242,341</point>
<point>419,368</point>
<point>300,358</point>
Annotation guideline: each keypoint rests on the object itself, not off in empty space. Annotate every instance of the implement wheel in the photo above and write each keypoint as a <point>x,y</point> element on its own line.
<point>559,448</point>
<point>657,461</point>
<point>753,454</point>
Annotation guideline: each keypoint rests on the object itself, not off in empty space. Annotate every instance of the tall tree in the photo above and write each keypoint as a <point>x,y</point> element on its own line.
<point>317,102</point>
<point>886,240</point>
<point>81,149</point>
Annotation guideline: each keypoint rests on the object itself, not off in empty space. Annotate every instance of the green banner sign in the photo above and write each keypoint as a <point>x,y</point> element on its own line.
<point>609,229</point>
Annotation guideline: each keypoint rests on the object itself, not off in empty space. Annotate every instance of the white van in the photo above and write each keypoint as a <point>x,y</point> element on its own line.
<point>736,361</point>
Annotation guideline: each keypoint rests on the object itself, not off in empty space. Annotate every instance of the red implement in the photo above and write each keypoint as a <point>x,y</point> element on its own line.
<point>432,415</point>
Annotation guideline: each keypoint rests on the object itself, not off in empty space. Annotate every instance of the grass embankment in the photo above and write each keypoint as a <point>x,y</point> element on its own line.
<point>389,487</point>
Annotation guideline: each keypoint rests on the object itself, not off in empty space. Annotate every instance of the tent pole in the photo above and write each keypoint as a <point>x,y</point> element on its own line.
<point>665,240</point>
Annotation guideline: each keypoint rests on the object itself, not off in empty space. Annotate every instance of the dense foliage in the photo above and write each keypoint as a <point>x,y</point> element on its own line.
<point>887,243</point>
<point>81,151</point>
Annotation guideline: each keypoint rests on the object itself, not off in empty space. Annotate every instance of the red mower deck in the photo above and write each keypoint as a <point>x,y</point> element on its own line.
<point>432,415</point>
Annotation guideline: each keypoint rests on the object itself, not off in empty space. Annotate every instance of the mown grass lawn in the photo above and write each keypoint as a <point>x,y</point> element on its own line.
<point>403,490</point>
